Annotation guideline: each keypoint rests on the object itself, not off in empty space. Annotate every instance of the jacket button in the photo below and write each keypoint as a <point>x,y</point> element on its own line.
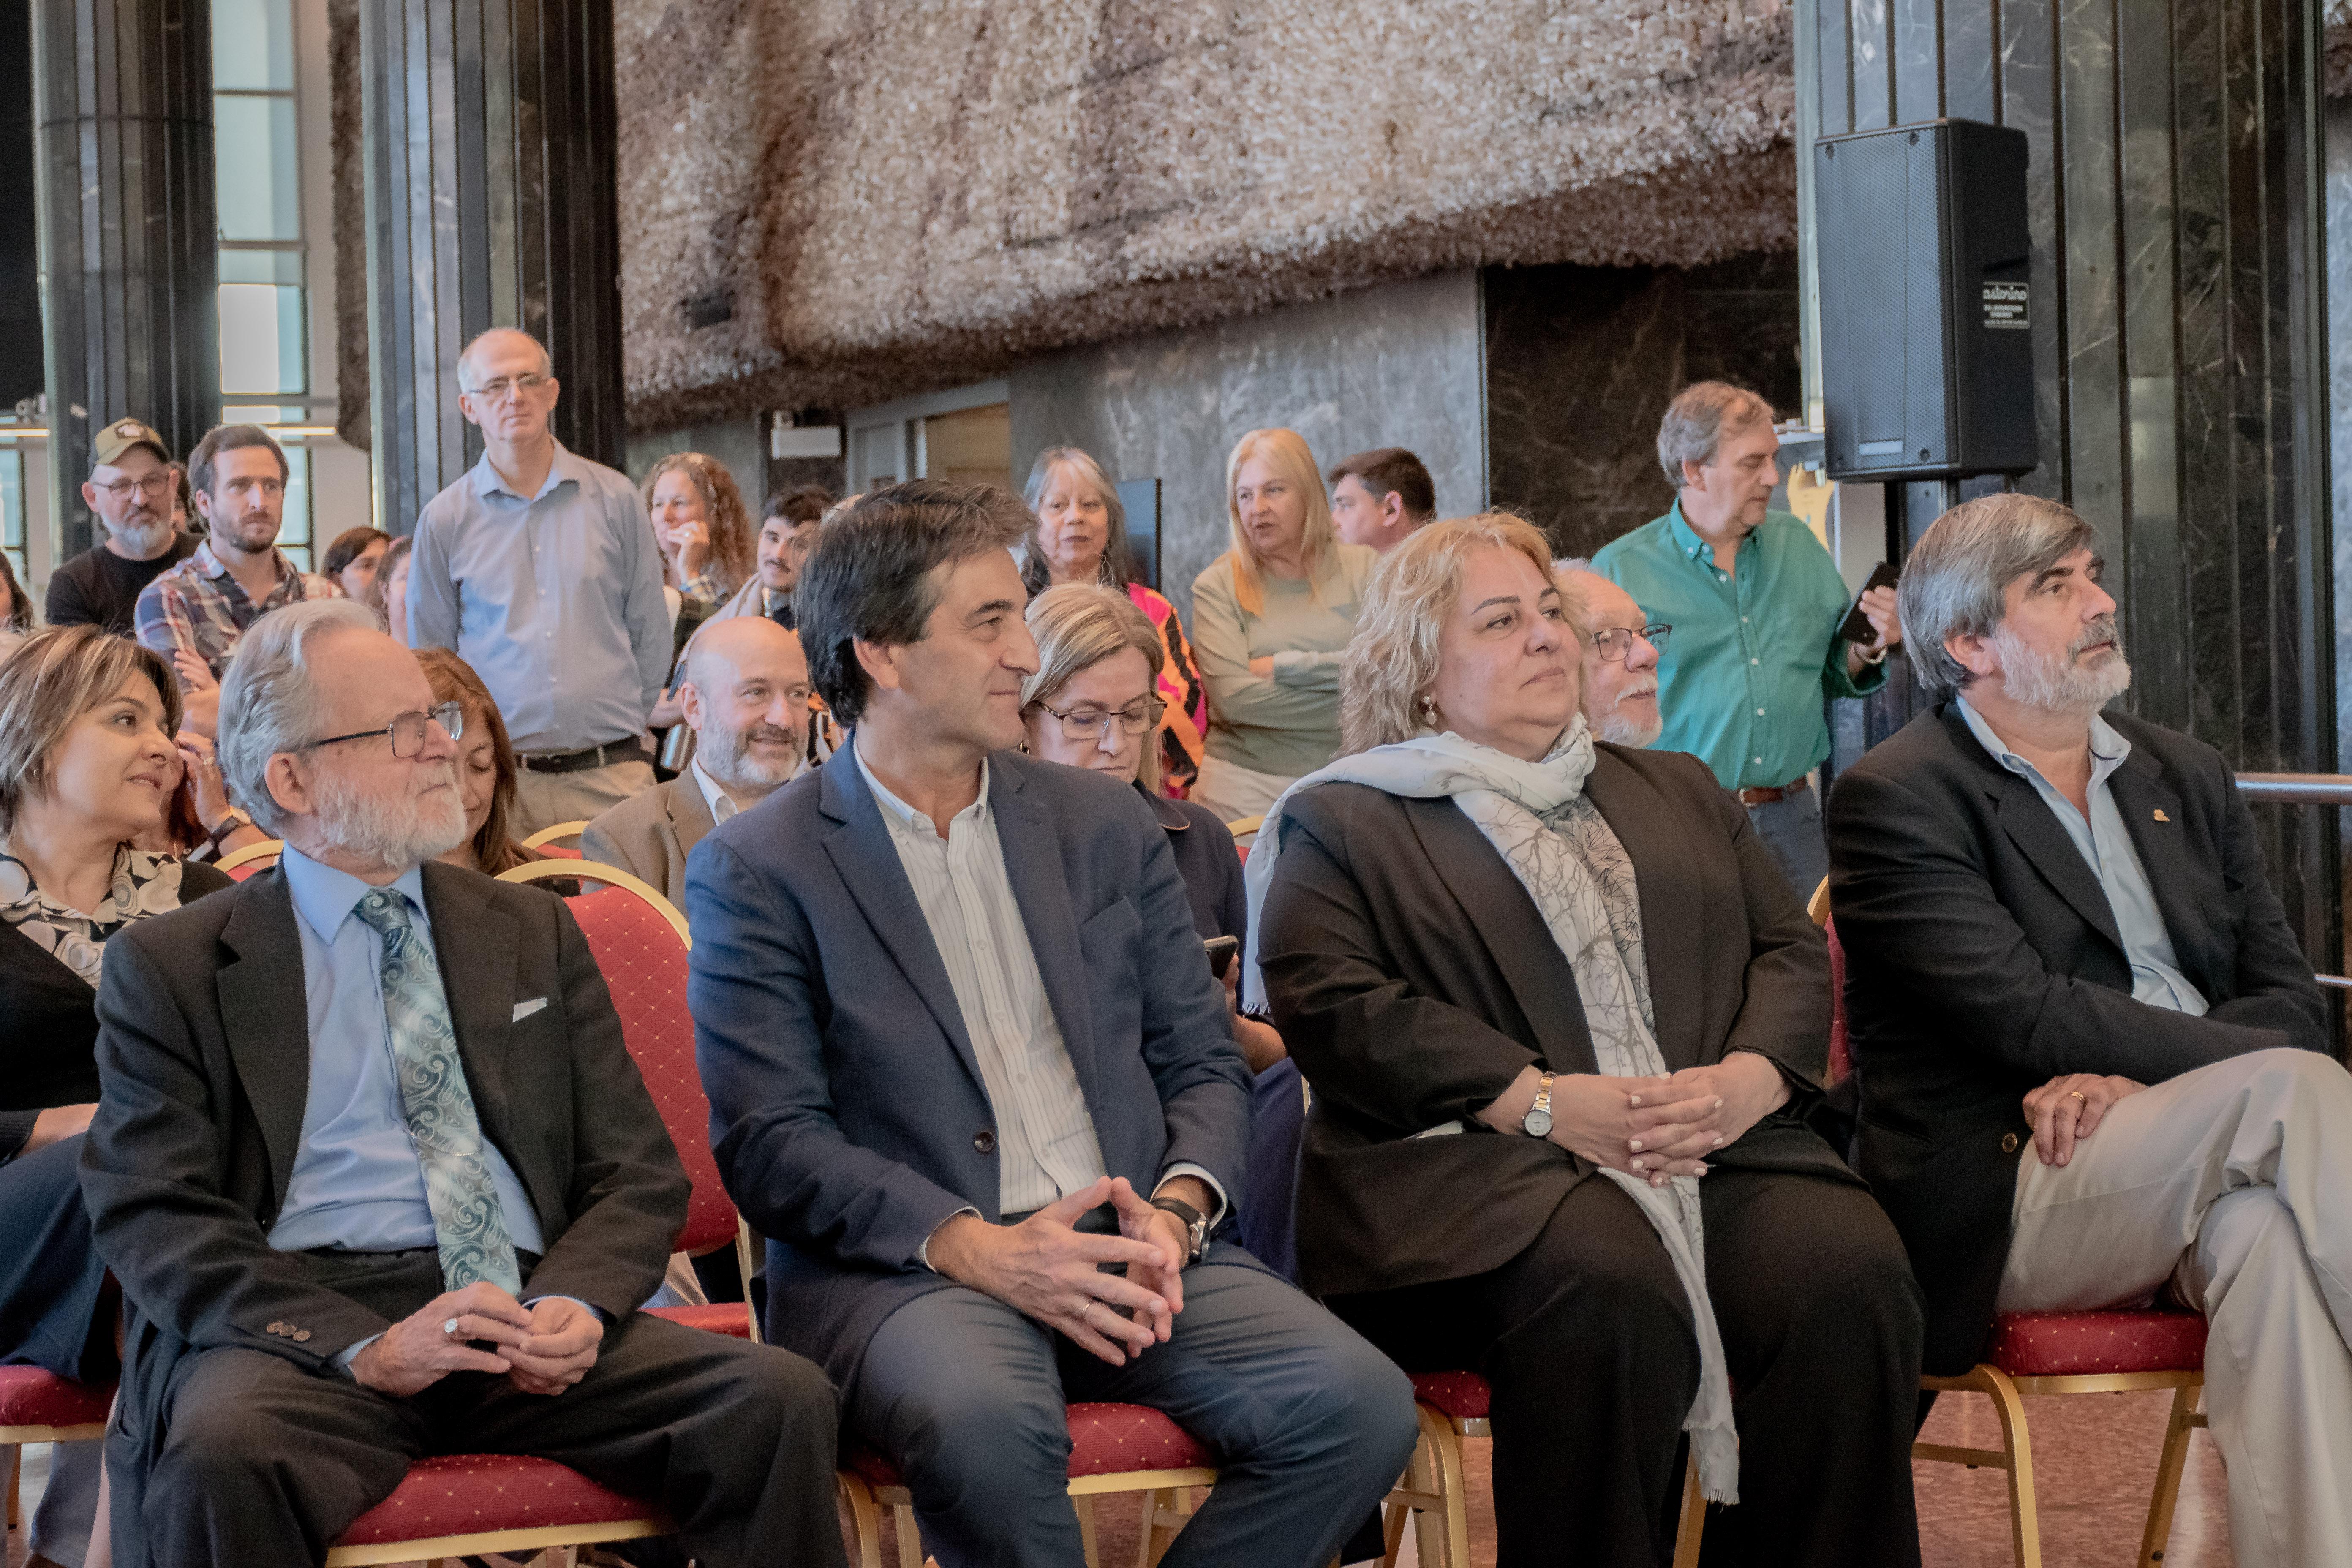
<point>2008,1143</point>
<point>274,1329</point>
<point>984,1141</point>
<point>301,1336</point>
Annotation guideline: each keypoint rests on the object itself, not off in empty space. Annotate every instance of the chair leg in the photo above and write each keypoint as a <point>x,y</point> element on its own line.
<point>2024,1519</point>
<point>2169,1467</point>
<point>911,1540</point>
<point>1693,1526</point>
<point>1083,1507</point>
<point>864,1519</point>
<point>1450,1532</point>
<point>15,1503</point>
<point>1165,1511</point>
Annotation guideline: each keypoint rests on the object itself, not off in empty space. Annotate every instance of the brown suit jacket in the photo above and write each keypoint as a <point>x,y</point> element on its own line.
<point>651,834</point>
<point>1413,979</point>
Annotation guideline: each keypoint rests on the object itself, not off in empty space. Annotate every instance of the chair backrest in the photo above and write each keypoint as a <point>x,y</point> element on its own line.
<point>545,837</point>
<point>1840,1048</point>
<point>251,860</point>
<point>640,942</point>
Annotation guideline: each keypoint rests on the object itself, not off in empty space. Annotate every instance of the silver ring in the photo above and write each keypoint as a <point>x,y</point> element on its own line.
<point>450,1327</point>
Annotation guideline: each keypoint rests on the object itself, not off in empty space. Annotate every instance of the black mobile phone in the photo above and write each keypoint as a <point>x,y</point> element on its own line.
<point>1221,950</point>
<point>1856,627</point>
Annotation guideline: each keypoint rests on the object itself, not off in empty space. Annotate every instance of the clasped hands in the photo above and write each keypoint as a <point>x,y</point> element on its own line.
<point>2069,1109</point>
<point>543,1348</point>
<point>1046,1268</point>
<point>1654,1128</point>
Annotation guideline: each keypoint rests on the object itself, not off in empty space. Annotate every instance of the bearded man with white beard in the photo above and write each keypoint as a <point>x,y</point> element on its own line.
<point>2093,1063</point>
<point>131,486</point>
<point>380,1180</point>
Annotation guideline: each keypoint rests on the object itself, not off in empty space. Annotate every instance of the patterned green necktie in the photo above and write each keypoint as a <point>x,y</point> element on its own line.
<point>467,1223</point>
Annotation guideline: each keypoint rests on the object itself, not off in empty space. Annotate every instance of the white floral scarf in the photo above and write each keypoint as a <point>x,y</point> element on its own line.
<point>1563,853</point>
<point>143,885</point>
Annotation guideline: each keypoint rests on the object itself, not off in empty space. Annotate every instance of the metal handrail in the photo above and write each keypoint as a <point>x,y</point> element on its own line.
<point>2298,789</point>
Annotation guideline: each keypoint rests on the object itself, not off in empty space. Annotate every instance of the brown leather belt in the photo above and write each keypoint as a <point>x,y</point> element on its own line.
<point>601,756</point>
<point>1770,794</point>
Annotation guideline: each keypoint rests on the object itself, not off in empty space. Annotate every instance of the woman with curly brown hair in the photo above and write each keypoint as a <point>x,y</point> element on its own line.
<point>705,530</point>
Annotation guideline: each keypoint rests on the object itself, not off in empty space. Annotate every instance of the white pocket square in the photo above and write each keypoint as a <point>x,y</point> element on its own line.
<point>525,1009</point>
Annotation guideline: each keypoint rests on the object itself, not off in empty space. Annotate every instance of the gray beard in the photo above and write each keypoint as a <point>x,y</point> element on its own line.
<point>726,756</point>
<point>409,834</point>
<point>1619,730</point>
<point>153,535</point>
<point>2060,685</point>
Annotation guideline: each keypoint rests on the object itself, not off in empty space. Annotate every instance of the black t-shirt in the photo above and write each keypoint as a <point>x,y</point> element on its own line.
<point>97,586</point>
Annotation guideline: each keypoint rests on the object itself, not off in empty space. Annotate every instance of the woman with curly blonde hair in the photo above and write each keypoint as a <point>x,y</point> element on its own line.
<point>1480,921</point>
<point>1269,619</point>
<point>705,530</point>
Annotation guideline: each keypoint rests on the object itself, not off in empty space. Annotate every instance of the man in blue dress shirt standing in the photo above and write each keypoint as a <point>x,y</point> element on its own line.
<point>1755,603</point>
<point>539,569</point>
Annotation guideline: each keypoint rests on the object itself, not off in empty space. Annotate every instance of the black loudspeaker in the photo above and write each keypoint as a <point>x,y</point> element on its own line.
<point>1926,331</point>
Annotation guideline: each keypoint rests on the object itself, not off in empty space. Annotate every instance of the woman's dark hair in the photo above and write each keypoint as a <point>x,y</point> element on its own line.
<point>20,610</point>
<point>348,547</point>
<point>870,577</point>
<point>374,600</point>
<point>454,680</point>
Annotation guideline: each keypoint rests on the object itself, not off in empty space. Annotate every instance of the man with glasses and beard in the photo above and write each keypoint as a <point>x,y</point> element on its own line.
<point>2094,1065</point>
<point>1620,657</point>
<point>380,1180</point>
<point>744,688</point>
<point>131,488</point>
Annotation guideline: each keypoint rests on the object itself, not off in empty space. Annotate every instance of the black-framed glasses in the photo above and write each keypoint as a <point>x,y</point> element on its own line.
<point>153,485</point>
<point>407,732</point>
<point>1616,643</point>
<point>1080,724</point>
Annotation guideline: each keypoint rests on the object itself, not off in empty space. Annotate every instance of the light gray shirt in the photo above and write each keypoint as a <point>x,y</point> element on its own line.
<point>1046,1142</point>
<point>555,599</point>
<point>2107,848</point>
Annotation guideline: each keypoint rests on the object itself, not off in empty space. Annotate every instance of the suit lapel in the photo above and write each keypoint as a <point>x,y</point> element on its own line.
<point>1034,863</point>
<point>265,1012</point>
<point>1671,918</point>
<point>2152,817</point>
<point>478,977</point>
<point>868,863</point>
<point>689,814</point>
<point>2035,829</point>
<point>1508,923</point>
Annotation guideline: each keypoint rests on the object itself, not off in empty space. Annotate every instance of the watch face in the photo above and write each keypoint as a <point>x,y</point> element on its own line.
<point>1537,1124</point>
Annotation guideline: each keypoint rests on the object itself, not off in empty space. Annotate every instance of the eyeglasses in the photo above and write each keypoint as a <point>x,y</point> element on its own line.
<point>153,485</point>
<point>1616,643</point>
<point>507,386</point>
<point>1086,723</point>
<point>407,732</point>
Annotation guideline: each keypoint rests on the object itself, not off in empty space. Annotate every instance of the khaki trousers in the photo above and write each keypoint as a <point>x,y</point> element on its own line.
<point>542,800</point>
<point>2233,1182</point>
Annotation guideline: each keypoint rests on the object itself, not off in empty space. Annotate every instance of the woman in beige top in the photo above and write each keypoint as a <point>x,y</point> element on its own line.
<point>1270,618</point>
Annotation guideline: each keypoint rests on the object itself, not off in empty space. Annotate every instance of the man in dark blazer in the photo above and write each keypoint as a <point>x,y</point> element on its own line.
<point>971,1073</point>
<point>2092,1059</point>
<point>378,1177</point>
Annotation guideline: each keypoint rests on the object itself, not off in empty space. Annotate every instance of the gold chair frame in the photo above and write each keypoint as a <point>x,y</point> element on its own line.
<point>610,876</point>
<point>1167,1507</point>
<point>1243,826</point>
<point>15,1437</point>
<point>548,834</point>
<point>268,850</point>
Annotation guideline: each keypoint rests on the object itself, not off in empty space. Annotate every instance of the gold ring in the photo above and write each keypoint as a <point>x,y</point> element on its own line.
<point>2078,1095</point>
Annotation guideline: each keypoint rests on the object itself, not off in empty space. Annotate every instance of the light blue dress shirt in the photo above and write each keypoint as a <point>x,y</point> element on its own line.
<point>555,599</point>
<point>2107,848</point>
<point>357,1182</point>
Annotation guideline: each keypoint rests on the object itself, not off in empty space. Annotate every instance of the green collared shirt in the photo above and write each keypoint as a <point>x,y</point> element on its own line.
<point>1740,684</point>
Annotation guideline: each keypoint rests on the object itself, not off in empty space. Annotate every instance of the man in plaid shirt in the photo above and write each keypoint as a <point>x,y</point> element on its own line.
<point>194,613</point>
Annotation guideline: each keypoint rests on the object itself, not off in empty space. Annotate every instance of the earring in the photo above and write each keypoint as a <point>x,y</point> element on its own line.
<point>1429,710</point>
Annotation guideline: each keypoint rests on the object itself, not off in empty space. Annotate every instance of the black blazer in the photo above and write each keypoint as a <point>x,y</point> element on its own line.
<point>1983,961</point>
<point>204,1053</point>
<point>1210,864</point>
<point>48,1025</point>
<point>1413,979</point>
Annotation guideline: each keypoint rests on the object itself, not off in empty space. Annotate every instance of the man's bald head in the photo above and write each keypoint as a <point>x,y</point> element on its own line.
<point>745,692</point>
<point>500,345</point>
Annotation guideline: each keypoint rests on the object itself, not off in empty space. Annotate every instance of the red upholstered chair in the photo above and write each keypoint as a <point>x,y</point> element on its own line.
<point>1433,1494</point>
<point>37,1406</point>
<point>1244,832</point>
<point>1113,1448</point>
<point>461,1505</point>
<point>251,860</point>
<point>2110,1352</point>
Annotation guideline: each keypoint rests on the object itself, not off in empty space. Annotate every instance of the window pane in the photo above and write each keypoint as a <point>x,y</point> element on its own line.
<point>253,44</point>
<point>294,523</point>
<point>253,155</point>
<point>239,265</point>
<point>261,339</point>
<point>12,519</point>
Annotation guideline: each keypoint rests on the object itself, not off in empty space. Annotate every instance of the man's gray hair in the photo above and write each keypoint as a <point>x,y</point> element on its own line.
<point>1952,584</point>
<point>1697,420</point>
<point>466,358</point>
<point>1571,596</point>
<point>269,698</point>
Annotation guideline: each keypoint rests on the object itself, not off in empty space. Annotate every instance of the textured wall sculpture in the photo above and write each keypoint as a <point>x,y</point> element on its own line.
<point>825,201</point>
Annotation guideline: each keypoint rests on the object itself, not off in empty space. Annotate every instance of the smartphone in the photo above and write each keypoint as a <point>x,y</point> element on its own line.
<point>1221,950</point>
<point>1856,627</point>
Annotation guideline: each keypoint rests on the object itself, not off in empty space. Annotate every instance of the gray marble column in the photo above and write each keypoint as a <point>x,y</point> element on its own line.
<point>123,133</point>
<point>489,147</point>
<point>2179,347</point>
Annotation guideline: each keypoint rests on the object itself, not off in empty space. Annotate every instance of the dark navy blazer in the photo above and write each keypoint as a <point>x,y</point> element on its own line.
<point>846,1109</point>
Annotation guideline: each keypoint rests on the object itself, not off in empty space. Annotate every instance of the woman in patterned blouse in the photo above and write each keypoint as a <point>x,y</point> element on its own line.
<point>705,530</point>
<point>88,766</point>
<point>1080,536</point>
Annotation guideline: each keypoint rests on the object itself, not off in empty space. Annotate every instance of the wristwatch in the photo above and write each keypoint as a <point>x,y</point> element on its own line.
<point>1196,1224</point>
<point>236,819</point>
<point>1536,1124</point>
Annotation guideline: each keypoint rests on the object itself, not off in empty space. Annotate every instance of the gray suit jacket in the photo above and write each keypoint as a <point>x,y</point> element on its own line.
<point>651,834</point>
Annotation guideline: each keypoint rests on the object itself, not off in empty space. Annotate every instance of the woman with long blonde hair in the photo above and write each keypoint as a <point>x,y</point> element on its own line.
<point>1270,620</point>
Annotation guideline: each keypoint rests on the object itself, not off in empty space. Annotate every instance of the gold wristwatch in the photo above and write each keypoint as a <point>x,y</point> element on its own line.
<point>1536,1124</point>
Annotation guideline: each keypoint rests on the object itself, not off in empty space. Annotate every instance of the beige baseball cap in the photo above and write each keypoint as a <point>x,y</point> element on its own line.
<point>119,438</point>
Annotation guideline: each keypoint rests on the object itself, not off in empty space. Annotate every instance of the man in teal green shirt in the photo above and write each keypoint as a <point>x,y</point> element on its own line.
<point>1755,604</point>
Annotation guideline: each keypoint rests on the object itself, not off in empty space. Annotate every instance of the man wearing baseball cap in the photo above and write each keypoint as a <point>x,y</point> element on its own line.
<point>131,489</point>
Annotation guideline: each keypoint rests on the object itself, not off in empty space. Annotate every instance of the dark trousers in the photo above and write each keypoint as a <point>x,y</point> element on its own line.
<point>1587,1338</point>
<point>1310,1425</point>
<point>267,1462</point>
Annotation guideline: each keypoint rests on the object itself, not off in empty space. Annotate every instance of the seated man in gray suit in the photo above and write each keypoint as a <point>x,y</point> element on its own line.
<point>380,1180</point>
<point>744,688</point>
<point>971,1073</point>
